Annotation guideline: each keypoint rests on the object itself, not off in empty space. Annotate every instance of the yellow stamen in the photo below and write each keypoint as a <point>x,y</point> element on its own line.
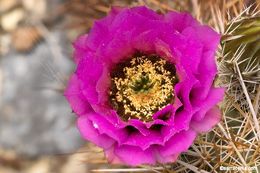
<point>145,87</point>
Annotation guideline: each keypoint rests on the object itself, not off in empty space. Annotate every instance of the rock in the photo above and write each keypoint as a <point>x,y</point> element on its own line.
<point>35,119</point>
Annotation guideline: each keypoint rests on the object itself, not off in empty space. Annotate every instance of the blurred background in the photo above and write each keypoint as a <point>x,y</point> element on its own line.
<point>37,129</point>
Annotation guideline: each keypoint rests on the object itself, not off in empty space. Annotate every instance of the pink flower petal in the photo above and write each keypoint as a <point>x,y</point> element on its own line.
<point>89,132</point>
<point>75,97</point>
<point>180,142</point>
<point>134,155</point>
<point>211,118</point>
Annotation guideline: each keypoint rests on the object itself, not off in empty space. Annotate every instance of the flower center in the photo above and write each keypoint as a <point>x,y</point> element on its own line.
<point>141,86</point>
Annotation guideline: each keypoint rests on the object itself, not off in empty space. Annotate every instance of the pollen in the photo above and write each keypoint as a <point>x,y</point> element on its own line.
<point>141,86</point>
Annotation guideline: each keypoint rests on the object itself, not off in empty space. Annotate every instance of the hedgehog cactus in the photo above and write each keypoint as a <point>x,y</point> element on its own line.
<point>241,50</point>
<point>235,141</point>
<point>240,73</point>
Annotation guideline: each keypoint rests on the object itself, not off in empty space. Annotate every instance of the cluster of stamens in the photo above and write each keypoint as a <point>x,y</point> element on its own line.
<point>141,86</point>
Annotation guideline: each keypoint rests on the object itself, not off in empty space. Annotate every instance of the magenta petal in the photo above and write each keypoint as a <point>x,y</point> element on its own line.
<point>144,41</point>
<point>211,118</point>
<point>184,114</point>
<point>166,111</point>
<point>105,127</point>
<point>134,155</point>
<point>144,142</point>
<point>208,37</point>
<point>215,96</point>
<point>89,68</point>
<point>180,142</point>
<point>181,122</point>
<point>158,122</point>
<point>206,74</point>
<point>164,50</point>
<point>111,157</point>
<point>100,31</point>
<point>102,86</point>
<point>89,132</point>
<point>88,75</point>
<point>147,13</point>
<point>180,21</point>
<point>140,126</point>
<point>112,53</point>
<point>75,97</point>
<point>194,50</point>
<point>81,48</point>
